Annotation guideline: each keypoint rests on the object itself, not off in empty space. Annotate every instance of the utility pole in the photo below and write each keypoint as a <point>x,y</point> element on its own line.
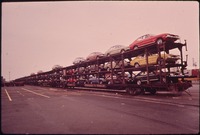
<point>9,75</point>
<point>194,63</point>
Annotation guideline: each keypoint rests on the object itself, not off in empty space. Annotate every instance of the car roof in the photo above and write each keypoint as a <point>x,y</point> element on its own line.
<point>117,46</point>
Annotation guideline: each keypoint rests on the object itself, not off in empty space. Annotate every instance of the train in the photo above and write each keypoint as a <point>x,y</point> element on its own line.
<point>134,78</point>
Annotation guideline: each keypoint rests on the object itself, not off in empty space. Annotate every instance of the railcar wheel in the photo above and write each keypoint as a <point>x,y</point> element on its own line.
<point>153,91</point>
<point>133,91</point>
<point>142,91</point>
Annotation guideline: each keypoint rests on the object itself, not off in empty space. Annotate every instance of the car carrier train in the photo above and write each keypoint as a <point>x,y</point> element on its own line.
<point>138,69</point>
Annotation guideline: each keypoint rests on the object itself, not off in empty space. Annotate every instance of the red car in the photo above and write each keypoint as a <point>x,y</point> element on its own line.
<point>70,71</point>
<point>150,39</point>
<point>71,80</point>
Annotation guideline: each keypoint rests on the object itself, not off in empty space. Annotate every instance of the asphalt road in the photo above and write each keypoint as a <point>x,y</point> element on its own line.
<point>43,110</point>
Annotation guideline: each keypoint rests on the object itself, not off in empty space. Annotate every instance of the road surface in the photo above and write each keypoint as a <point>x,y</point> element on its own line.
<point>43,110</point>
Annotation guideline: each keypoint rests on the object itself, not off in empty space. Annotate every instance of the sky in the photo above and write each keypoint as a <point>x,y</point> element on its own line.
<point>38,35</point>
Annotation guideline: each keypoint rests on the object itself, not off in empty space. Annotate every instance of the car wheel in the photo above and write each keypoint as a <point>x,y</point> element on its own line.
<point>164,80</point>
<point>100,82</point>
<point>159,41</point>
<point>135,47</point>
<point>153,91</point>
<point>122,51</point>
<point>160,61</point>
<point>139,82</point>
<point>64,86</point>
<point>136,65</point>
<point>133,91</point>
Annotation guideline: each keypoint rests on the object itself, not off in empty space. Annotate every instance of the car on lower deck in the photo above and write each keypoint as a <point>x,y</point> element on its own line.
<point>96,80</point>
<point>80,80</point>
<point>117,78</point>
<point>141,77</point>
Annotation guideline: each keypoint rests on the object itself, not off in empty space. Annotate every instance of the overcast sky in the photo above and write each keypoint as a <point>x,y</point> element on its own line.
<point>38,35</point>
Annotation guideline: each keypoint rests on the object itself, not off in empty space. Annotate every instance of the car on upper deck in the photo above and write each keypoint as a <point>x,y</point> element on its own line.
<point>56,67</point>
<point>116,49</point>
<point>151,39</point>
<point>94,56</point>
<point>78,60</point>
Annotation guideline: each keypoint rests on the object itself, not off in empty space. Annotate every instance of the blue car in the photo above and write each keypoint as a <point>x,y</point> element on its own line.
<point>95,80</point>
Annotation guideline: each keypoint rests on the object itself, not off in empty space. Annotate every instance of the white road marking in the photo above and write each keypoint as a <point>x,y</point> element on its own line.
<point>144,100</point>
<point>8,95</point>
<point>20,93</point>
<point>42,88</point>
<point>53,89</point>
<point>35,93</point>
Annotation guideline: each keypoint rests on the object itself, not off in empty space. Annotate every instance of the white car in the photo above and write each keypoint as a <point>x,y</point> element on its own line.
<point>91,68</point>
<point>115,64</point>
<point>117,78</point>
<point>94,56</point>
<point>78,60</point>
<point>116,49</point>
<point>80,70</point>
<point>55,67</point>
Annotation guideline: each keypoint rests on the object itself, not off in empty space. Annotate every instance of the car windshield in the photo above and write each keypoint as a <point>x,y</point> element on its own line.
<point>149,35</point>
<point>144,37</point>
<point>79,58</point>
<point>116,47</point>
<point>94,53</point>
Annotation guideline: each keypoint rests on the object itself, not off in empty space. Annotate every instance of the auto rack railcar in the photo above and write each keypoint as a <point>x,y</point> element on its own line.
<point>94,74</point>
